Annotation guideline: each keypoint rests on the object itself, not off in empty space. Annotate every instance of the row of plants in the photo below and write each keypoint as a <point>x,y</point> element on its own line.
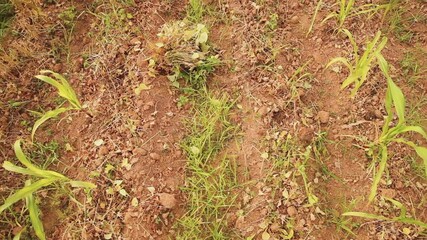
<point>392,132</point>
<point>39,178</point>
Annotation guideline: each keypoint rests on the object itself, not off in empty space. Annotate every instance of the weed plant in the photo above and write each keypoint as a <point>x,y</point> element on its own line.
<point>187,53</point>
<point>211,178</point>
<point>347,9</point>
<point>361,65</point>
<point>395,103</point>
<point>64,90</point>
<point>402,218</point>
<point>43,178</point>
<point>6,14</point>
<point>195,10</point>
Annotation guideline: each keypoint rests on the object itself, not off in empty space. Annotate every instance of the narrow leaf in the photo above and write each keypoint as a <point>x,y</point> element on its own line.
<point>37,171</point>
<point>18,235</point>
<point>48,115</point>
<point>379,174</point>
<point>398,100</point>
<point>365,215</point>
<point>82,184</point>
<point>34,212</point>
<point>24,192</point>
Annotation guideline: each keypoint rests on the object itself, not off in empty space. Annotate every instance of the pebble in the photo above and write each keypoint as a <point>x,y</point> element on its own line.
<point>263,110</point>
<point>292,211</point>
<point>294,19</point>
<point>103,151</point>
<point>135,41</point>
<point>167,200</point>
<point>139,152</point>
<point>390,193</point>
<point>323,117</point>
<point>275,227</point>
<point>155,156</point>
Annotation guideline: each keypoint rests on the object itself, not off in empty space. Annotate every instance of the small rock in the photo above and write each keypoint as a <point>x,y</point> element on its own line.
<point>292,211</point>
<point>57,68</point>
<point>275,227</point>
<point>306,134</point>
<point>399,185</point>
<point>135,41</point>
<point>167,200</point>
<point>141,61</point>
<point>294,19</point>
<point>323,117</point>
<point>103,151</point>
<point>123,49</point>
<point>155,156</point>
<point>139,152</point>
<point>390,193</point>
<point>300,225</point>
<point>263,110</point>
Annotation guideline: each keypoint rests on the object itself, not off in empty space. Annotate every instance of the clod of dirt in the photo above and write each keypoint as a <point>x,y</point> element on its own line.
<point>139,152</point>
<point>294,19</point>
<point>103,151</point>
<point>390,193</point>
<point>275,227</point>
<point>263,111</point>
<point>306,135</point>
<point>323,117</point>
<point>155,156</point>
<point>135,41</point>
<point>292,211</point>
<point>167,200</point>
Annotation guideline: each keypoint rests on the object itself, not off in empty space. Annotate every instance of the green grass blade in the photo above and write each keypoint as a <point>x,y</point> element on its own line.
<point>379,174</point>
<point>48,115</point>
<point>34,214</point>
<point>422,152</point>
<point>64,88</point>
<point>416,129</point>
<point>341,60</point>
<point>352,78</point>
<point>25,191</point>
<point>82,184</point>
<point>61,89</point>
<point>36,171</point>
<point>314,17</point>
<point>413,221</point>
<point>18,235</point>
<point>399,205</point>
<point>13,168</point>
<point>353,43</point>
<point>365,215</point>
<point>398,100</point>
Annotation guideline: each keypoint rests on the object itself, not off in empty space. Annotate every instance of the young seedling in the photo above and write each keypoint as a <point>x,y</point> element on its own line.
<point>379,149</point>
<point>195,10</point>
<point>301,166</point>
<point>45,178</point>
<point>64,90</point>
<point>211,179</point>
<point>347,10</point>
<point>361,65</point>
<point>402,218</point>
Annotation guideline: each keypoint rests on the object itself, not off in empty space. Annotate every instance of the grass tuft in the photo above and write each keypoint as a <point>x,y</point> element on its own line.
<point>6,14</point>
<point>211,178</point>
